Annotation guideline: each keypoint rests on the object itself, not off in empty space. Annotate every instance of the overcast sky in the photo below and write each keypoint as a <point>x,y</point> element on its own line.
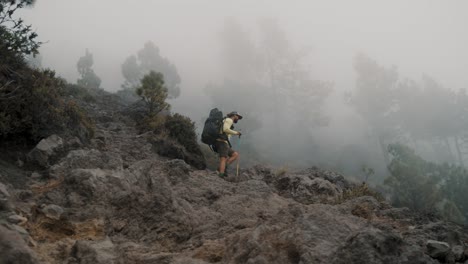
<point>418,36</point>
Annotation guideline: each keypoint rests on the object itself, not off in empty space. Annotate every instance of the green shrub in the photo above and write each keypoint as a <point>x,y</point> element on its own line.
<point>281,171</point>
<point>33,105</point>
<point>182,129</point>
<point>359,191</point>
<point>32,102</point>
<point>153,92</point>
<point>16,36</point>
<point>413,181</point>
<point>79,92</point>
<point>156,124</point>
<point>78,119</point>
<point>128,95</point>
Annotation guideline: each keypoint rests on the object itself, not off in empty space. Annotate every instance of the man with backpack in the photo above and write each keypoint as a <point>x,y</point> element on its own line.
<point>223,146</point>
<point>216,134</point>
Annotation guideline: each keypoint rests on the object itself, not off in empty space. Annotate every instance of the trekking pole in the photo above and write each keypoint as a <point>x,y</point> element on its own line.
<point>238,158</point>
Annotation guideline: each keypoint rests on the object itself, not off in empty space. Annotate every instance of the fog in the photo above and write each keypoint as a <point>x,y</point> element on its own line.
<point>420,37</point>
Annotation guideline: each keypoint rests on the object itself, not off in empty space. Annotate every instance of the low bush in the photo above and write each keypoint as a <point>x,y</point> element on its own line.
<point>358,191</point>
<point>182,129</point>
<point>79,92</point>
<point>33,104</point>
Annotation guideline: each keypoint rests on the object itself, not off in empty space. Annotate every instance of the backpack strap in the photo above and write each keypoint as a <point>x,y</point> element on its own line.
<point>221,132</point>
<point>213,148</point>
<point>221,128</point>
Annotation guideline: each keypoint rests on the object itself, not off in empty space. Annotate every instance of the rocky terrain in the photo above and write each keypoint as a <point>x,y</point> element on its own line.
<point>115,200</point>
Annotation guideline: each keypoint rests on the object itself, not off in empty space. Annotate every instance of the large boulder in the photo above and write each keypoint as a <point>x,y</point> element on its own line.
<point>52,211</point>
<point>299,234</point>
<point>3,191</point>
<point>305,189</point>
<point>13,249</point>
<point>437,249</point>
<point>458,253</point>
<point>370,246</point>
<point>87,159</point>
<point>94,252</point>
<point>5,204</point>
<point>333,177</point>
<point>45,150</point>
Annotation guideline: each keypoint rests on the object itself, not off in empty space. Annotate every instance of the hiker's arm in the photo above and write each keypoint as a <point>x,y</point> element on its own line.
<point>227,127</point>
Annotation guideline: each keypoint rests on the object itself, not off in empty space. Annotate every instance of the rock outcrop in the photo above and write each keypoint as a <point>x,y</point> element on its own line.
<point>46,150</point>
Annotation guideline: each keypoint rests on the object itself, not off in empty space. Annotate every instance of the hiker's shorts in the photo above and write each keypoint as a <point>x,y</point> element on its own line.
<point>223,149</point>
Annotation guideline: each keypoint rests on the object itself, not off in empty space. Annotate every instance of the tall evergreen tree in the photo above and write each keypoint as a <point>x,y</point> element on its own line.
<point>88,79</point>
<point>149,59</point>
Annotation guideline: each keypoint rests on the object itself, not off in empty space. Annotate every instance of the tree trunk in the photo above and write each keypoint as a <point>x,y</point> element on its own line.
<point>383,147</point>
<point>457,147</point>
<point>449,149</point>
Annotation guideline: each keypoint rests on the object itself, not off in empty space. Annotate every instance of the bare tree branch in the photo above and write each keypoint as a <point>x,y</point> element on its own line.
<point>11,94</point>
<point>5,85</point>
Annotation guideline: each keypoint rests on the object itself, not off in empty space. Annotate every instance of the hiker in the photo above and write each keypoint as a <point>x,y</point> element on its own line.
<point>226,154</point>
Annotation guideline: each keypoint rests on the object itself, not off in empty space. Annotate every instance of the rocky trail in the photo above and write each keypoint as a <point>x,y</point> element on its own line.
<point>114,200</point>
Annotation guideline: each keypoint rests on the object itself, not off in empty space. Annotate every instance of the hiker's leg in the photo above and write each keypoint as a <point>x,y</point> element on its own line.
<point>223,151</point>
<point>222,164</point>
<point>233,157</point>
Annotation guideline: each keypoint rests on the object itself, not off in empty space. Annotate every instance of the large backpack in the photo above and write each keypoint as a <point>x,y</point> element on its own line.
<point>212,128</point>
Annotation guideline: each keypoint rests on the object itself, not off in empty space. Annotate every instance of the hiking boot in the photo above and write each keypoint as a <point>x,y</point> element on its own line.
<point>222,175</point>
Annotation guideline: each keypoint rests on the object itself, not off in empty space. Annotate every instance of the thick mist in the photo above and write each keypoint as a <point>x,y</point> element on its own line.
<point>303,73</point>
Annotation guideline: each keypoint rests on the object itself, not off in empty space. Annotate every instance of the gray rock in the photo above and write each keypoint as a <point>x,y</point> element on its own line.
<point>13,249</point>
<point>5,205</point>
<point>19,163</point>
<point>87,159</point>
<point>23,233</point>
<point>444,231</point>
<point>20,230</point>
<point>97,184</point>
<point>36,175</point>
<point>52,211</point>
<point>3,191</point>
<point>45,149</point>
<point>330,176</point>
<point>297,234</point>
<point>322,186</point>
<point>437,249</point>
<point>24,195</point>
<point>74,143</point>
<point>305,189</point>
<point>370,246</point>
<point>364,206</point>
<point>396,213</point>
<point>458,252</point>
<point>95,252</point>
<point>17,219</point>
<point>177,170</point>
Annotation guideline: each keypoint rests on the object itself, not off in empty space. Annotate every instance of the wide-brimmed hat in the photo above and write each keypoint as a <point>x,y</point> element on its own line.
<point>235,113</point>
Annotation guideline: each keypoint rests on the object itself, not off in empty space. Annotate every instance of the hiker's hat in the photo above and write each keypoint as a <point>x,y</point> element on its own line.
<point>235,113</point>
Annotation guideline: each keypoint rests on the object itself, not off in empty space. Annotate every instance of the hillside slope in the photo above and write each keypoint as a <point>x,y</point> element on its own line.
<point>114,200</point>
